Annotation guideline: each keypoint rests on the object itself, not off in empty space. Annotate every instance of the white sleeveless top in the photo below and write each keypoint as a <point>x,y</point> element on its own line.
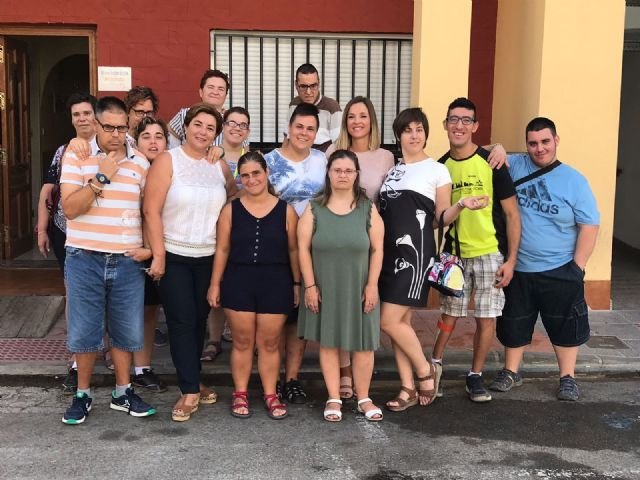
<point>191,209</point>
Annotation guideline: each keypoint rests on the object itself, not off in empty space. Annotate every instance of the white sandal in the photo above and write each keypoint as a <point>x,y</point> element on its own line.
<point>370,414</point>
<point>329,412</point>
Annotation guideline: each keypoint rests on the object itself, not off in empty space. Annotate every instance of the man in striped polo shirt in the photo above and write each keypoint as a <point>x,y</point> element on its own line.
<point>101,198</point>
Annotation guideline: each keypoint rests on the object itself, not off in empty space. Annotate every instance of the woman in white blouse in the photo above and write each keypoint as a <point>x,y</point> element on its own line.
<point>183,198</point>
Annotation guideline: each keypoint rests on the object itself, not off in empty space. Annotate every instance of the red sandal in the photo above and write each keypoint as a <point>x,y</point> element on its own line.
<point>272,402</point>
<point>240,400</point>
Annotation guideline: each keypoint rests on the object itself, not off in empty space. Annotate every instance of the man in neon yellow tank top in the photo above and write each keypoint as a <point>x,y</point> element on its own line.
<point>489,240</point>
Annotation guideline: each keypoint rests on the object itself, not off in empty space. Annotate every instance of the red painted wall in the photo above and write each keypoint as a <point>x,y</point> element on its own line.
<point>483,47</point>
<point>167,42</point>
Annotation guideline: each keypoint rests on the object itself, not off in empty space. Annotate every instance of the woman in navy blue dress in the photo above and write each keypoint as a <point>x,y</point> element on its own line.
<point>256,279</point>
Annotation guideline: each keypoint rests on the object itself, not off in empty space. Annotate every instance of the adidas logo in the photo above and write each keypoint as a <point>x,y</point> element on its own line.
<point>536,196</point>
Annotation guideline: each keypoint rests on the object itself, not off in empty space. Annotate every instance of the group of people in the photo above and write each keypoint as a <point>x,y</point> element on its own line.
<point>303,245</point>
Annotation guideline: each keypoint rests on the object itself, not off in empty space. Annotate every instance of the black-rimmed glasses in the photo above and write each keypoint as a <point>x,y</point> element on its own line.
<point>453,120</point>
<point>113,128</point>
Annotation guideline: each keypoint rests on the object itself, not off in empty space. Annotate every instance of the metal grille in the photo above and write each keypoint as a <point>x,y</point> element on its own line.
<point>261,68</point>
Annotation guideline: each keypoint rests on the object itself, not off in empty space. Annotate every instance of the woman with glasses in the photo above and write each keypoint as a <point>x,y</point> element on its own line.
<point>256,279</point>
<point>234,141</point>
<point>184,196</point>
<point>360,134</point>
<point>340,239</point>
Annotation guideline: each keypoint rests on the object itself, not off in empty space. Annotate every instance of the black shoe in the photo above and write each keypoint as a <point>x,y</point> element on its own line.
<point>475,389</point>
<point>159,339</point>
<point>78,411</point>
<point>70,383</point>
<point>505,380</point>
<point>131,403</point>
<point>568,389</point>
<point>149,381</point>
<point>294,393</point>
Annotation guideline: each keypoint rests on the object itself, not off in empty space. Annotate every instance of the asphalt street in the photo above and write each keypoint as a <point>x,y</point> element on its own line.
<point>524,434</point>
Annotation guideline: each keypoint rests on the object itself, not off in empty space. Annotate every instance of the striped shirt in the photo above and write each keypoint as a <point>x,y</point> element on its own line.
<point>113,223</point>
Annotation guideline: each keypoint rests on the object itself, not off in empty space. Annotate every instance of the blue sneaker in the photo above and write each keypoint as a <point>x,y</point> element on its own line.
<point>475,389</point>
<point>78,411</point>
<point>132,404</point>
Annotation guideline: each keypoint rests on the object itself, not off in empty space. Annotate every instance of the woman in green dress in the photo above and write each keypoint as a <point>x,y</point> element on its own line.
<point>340,239</point>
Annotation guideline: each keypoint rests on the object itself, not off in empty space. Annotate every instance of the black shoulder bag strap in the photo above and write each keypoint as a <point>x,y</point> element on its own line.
<point>537,173</point>
<point>456,240</point>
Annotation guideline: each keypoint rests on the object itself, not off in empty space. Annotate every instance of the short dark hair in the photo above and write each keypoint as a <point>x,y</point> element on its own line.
<point>203,108</point>
<point>217,74</point>
<point>306,69</point>
<point>305,110</point>
<point>463,102</point>
<point>240,110</point>
<point>146,121</point>
<point>140,94</point>
<point>256,156</point>
<point>110,104</point>
<point>540,123</point>
<point>407,116</point>
<point>80,97</point>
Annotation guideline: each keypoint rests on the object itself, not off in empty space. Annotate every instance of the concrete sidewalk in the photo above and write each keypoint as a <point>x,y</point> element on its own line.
<point>614,349</point>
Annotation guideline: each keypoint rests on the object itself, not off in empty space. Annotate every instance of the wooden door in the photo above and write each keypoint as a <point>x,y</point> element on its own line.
<point>15,154</point>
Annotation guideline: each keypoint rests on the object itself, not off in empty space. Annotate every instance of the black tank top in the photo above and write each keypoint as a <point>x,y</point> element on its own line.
<point>259,241</point>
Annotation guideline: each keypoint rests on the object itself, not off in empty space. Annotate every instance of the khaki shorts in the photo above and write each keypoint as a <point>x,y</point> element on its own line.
<point>479,280</point>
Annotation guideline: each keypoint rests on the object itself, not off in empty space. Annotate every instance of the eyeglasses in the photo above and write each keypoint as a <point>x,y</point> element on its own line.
<point>142,113</point>
<point>241,126</point>
<point>112,128</point>
<point>453,120</point>
<point>313,86</point>
<point>346,171</point>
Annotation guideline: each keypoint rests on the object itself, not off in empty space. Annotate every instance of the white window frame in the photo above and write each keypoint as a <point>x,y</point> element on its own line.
<point>377,66</point>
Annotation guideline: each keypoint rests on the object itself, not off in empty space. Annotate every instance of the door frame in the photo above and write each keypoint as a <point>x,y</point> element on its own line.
<point>89,32</point>
<point>86,31</point>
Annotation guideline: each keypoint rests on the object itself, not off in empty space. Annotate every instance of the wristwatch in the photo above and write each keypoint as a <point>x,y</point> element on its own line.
<point>102,178</point>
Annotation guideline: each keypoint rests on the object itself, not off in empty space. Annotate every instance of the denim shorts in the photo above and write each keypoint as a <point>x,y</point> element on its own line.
<point>103,289</point>
<point>479,278</point>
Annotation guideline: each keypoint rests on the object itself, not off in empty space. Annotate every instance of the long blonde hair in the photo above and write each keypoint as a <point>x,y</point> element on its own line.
<point>344,139</point>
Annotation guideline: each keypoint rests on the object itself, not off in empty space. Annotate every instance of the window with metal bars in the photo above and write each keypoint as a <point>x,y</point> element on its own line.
<point>262,66</point>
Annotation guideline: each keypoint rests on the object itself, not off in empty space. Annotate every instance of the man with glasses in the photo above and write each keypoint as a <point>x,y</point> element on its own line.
<point>101,200</point>
<point>489,240</point>
<point>308,88</point>
<point>141,102</point>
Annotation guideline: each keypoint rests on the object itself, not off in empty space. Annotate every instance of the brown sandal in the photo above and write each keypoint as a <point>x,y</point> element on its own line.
<point>346,383</point>
<point>403,404</point>
<point>210,354</point>
<point>431,393</point>
<point>182,411</point>
<point>207,396</point>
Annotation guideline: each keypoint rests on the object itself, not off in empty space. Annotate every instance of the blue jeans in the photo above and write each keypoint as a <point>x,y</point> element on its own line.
<point>103,285</point>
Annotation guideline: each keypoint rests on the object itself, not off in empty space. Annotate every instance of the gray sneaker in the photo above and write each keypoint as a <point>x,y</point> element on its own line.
<point>568,389</point>
<point>505,380</point>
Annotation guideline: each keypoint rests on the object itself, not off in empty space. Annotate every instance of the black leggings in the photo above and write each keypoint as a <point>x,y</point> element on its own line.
<point>183,291</point>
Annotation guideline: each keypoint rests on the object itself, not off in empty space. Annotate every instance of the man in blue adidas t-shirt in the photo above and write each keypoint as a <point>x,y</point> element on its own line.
<point>560,222</point>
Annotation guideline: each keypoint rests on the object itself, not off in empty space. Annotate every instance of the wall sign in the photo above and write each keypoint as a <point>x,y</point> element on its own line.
<point>114,79</point>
